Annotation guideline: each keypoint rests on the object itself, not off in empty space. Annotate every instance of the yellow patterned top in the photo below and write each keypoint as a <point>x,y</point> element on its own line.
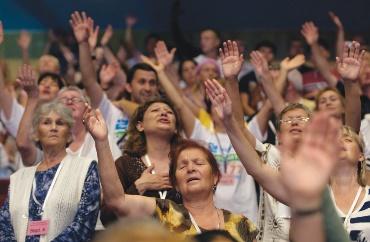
<point>176,218</point>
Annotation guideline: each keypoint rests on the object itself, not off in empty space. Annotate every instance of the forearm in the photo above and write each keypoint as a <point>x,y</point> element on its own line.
<point>273,95</point>
<point>112,188</point>
<point>25,56</point>
<point>265,175</point>
<point>263,116</point>
<point>89,78</point>
<point>307,229</point>
<point>323,65</point>
<point>232,88</point>
<point>352,105</point>
<point>24,142</point>
<point>171,72</point>
<point>340,41</point>
<point>6,99</point>
<point>129,40</point>
<point>281,81</point>
<point>127,106</point>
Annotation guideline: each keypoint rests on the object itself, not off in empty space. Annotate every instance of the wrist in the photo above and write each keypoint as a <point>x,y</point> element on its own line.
<point>305,204</point>
<point>139,187</point>
<point>232,77</point>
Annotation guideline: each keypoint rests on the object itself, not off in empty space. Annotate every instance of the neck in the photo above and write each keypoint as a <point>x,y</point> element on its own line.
<point>53,156</point>
<point>158,148</point>
<point>344,177</point>
<point>199,205</point>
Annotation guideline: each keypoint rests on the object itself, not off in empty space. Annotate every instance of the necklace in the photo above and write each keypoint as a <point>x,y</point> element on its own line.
<point>199,231</point>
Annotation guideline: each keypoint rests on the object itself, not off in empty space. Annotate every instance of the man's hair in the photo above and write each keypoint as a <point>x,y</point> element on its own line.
<point>290,107</point>
<point>217,33</point>
<point>268,44</point>
<point>140,66</point>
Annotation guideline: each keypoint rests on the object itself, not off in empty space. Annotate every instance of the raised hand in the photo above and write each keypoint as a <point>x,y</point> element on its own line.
<point>231,59</point>
<point>24,40</point>
<point>349,64</point>
<point>108,33</point>
<point>95,124</point>
<point>220,100</point>
<point>295,62</point>
<point>150,181</point>
<point>93,33</point>
<point>260,65</point>
<point>1,33</point>
<point>27,80</point>
<point>130,21</point>
<point>107,73</point>
<point>306,173</point>
<point>336,20</point>
<point>310,32</point>
<point>158,67</point>
<point>80,26</point>
<point>161,53</point>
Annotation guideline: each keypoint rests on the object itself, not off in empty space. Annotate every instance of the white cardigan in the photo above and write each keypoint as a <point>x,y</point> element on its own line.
<point>62,203</point>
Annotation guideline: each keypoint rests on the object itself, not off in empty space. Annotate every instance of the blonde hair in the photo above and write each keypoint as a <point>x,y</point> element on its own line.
<point>347,131</point>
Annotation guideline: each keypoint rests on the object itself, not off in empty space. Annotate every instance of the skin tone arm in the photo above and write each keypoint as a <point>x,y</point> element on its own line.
<point>340,33</point>
<point>348,66</point>
<point>306,174</point>
<point>261,68</point>
<point>80,25</point>
<point>114,194</point>
<point>247,109</point>
<point>6,99</point>
<point>25,145</point>
<point>311,33</point>
<point>173,93</point>
<point>126,106</point>
<point>264,174</point>
<point>24,42</point>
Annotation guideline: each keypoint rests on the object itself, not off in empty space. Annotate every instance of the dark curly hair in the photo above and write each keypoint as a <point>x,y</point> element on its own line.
<point>136,142</point>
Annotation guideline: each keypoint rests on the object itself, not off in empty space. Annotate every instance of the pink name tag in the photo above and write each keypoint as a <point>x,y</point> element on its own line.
<point>39,227</point>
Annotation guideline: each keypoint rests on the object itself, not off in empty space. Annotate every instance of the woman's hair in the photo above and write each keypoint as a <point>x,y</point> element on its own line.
<point>136,142</point>
<point>46,108</point>
<point>190,144</point>
<point>321,92</point>
<point>347,131</point>
<point>181,65</point>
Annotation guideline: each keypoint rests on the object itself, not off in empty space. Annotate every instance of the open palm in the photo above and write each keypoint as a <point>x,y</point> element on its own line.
<point>350,64</point>
<point>164,56</point>
<point>231,59</point>
<point>80,26</point>
<point>220,100</point>
<point>95,124</point>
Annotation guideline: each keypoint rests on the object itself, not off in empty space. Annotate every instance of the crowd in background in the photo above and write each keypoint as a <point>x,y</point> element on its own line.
<point>215,145</point>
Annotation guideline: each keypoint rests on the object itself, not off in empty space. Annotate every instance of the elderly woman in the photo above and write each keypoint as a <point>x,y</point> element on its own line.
<point>193,172</point>
<point>58,199</point>
<point>144,166</point>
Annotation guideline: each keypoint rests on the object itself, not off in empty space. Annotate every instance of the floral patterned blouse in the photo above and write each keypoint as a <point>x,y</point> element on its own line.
<point>176,218</point>
<point>83,226</point>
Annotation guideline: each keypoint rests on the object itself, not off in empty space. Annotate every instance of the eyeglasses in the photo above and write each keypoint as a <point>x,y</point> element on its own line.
<point>300,120</point>
<point>74,100</point>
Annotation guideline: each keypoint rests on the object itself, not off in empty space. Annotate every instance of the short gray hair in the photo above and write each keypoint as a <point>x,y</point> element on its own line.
<point>85,98</point>
<point>54,106</point>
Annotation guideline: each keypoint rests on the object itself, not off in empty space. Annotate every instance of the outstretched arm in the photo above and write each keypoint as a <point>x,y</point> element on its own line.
<point>25,145</point>
<point>340,33</point>
<point>176,97</point>
<point>349,65</point>
<point>264,174</point>
<point>24,41</point>
<point>261,68</point>
<point>287,65</point>
<point>311,33</point>
<point>80,24</point>
<point>114,194</point>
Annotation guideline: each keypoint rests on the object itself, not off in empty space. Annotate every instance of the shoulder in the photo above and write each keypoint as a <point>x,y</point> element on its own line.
<point>239,226</point>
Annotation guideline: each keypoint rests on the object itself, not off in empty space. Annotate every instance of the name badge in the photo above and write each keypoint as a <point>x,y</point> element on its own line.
<point>39,227</point>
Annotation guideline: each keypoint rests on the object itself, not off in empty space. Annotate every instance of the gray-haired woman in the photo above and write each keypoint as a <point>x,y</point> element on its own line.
<point>57,199</point>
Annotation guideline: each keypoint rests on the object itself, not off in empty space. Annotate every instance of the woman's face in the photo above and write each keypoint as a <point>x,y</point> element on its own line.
<point>159,117</point>
<point>329,101</point>
<point>53,131</point>
<point>48,89</point>
<point>350,150</point>
<point>194,173</point>
<point>208,71</point>
<point>189,72</point>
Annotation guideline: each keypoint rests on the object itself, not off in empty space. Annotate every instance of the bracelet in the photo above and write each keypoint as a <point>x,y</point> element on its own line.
<point>306,212</point>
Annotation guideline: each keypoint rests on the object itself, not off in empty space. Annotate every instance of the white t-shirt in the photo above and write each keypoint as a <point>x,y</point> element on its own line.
<point>274,217</point>
<point>116,120</point>
<point>236,190</point>
<point>16,114</point>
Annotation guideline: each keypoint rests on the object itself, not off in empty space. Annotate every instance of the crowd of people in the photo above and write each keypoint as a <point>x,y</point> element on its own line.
<point>186,144</point>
